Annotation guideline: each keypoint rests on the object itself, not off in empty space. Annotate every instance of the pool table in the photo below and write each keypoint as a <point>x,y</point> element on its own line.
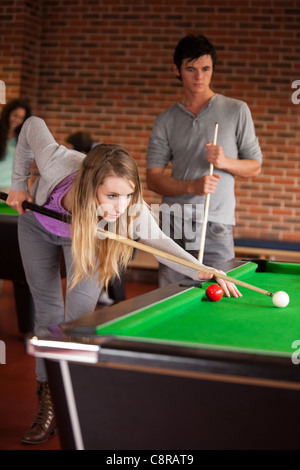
<point>11,267</point>
<point>172,370</point>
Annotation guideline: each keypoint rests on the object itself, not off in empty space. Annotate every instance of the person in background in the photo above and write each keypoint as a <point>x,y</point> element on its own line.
<point>14,113</point>
<point>182,135</point>
<point>80,141</point>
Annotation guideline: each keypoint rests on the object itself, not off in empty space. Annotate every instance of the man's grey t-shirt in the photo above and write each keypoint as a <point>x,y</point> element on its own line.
<point>179,137</point>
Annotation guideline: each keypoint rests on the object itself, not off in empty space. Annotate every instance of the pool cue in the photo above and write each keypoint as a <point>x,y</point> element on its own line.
<point>206,206</point>
<point>175,259</point>
<point>141,246</point>
<point>41,210</point>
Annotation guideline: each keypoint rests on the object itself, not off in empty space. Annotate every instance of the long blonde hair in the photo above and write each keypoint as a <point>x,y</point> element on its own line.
<point>103,258</point>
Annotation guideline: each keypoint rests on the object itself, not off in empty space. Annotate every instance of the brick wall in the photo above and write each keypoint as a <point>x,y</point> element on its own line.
<point>106,67</point>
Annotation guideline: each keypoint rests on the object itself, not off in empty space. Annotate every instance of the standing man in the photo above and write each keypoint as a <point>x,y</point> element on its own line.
<point>182,135</point>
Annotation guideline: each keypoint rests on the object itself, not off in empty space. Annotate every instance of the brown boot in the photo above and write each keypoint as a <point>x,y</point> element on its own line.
<point>44,422</point>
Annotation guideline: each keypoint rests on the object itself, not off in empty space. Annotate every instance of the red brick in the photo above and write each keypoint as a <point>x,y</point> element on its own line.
<point>107,67</point>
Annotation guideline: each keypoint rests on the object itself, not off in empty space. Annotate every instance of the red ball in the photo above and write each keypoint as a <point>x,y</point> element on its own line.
<point>214,292</point>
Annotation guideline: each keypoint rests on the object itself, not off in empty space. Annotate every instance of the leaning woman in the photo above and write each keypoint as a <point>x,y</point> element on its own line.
<point>102,187</point>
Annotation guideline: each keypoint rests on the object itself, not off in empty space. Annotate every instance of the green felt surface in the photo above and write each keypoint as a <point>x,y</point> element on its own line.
<point>248,323</point>
<point>6,210</point>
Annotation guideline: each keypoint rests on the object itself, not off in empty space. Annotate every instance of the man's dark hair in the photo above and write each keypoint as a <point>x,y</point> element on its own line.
<point>192,47</point>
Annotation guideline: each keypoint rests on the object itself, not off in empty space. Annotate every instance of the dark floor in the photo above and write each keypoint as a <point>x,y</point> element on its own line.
<point>17,376</point>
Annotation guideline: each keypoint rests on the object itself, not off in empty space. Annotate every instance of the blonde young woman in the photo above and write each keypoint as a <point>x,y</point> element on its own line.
<point>102,187</point>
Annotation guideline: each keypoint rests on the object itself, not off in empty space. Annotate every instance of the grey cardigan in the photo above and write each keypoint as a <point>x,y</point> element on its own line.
<point>55,162</point>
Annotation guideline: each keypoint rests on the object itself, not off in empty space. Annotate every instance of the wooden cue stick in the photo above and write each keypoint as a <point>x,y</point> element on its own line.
<point>175,259</point>
<point>142,247</point>
<point>41,210</point>
<point>206,206</point>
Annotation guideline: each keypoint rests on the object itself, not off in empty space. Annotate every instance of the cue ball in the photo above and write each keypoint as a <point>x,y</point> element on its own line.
<point>280,299</point>
<point>214,292</point>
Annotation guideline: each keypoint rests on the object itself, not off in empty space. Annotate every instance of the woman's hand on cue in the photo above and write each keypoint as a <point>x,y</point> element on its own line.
<point>16,198</point>
<point>228,287</point>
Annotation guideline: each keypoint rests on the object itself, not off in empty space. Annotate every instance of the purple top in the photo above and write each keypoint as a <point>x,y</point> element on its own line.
<point>62,229</point>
